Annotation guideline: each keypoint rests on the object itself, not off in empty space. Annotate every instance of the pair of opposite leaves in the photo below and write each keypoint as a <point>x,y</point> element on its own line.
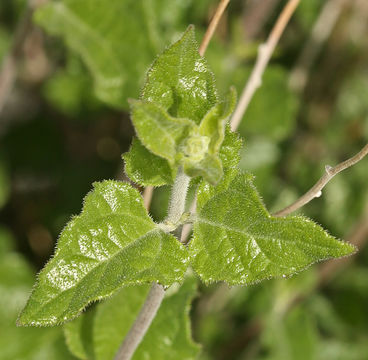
<point>114,242</point>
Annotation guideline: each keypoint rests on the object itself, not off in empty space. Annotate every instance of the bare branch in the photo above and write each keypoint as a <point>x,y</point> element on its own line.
<point>147,196</point>
<point>316,190</point>
<point>264,55</point>
<point>212,27</point>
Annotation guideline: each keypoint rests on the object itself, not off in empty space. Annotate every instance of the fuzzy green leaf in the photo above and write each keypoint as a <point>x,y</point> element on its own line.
<point>112,243</point>
<point>101,332</point>
<point>237,241</point>
<point>210,168</point>
<point>213,123</point>
<point>157,130</point>
<point>180,81</point>
<point>145,168</point>
<point>180,100</point>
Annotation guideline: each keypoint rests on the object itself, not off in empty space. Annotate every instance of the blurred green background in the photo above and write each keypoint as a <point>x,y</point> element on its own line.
<point>63,127</point>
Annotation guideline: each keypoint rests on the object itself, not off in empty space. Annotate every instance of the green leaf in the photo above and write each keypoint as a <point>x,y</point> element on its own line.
<point>79,335</point>
<point>212,127</point>
<point>180,119</point>
<point>117,40</point>
<point>210,168</point>
<point>294,336</point>
<point>237,241</point>
<point>98,334</point>
<point>213,123</point>
<point>145,168</point>
<point>180,81</point>
<point>16,278</point>
<point>168,336</point>
<point>111,244</point>
<point>157,130</point>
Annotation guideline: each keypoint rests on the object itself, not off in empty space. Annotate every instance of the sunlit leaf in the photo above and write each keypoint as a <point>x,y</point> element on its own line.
<point>112,243</point>
<point>237,241</point>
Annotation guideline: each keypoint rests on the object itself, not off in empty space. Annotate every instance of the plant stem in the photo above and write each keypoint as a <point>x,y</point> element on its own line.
<point>212,27</point>
<point>264,56</point>
<point>157,292</point>
<point>142,323</point>
<point>176,209</point>
<point>316,190</point>
<point>178,197</point>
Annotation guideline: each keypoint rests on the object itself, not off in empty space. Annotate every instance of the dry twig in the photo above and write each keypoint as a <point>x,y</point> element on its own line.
<point>316,190</point>
<point>264,54</point>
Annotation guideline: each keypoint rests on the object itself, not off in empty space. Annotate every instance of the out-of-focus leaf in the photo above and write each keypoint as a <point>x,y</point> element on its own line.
<point>116,47</point>
<point>79,335</point>
<point>16,280</point>
<point>293,337</point>
<point>168,337</point>
<point>71,89</point>
<point>112,243</point>
<point>237,241</point>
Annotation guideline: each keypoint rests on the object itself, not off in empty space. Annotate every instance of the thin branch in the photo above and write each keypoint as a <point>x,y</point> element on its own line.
<point>147,196</point>
<point>256,15</point>
<point>316,190</point>
<point>212,26</point>
<point>264,54</point>
<point>321,31</point>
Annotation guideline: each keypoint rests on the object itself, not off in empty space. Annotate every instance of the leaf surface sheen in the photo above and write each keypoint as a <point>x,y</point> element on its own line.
<point>179,118</point>
<point>111,244</point>
<point>237,241</point>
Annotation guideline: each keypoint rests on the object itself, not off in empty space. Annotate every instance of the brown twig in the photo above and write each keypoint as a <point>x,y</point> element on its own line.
<point>256,15</point>
<point>316,190</point>
<point>147,196</point>
<point>212,26</point>
<point>264,54</point>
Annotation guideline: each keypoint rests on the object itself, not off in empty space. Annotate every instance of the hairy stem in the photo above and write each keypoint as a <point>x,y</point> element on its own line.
<point>157,292</point>
<point>142,323</point>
